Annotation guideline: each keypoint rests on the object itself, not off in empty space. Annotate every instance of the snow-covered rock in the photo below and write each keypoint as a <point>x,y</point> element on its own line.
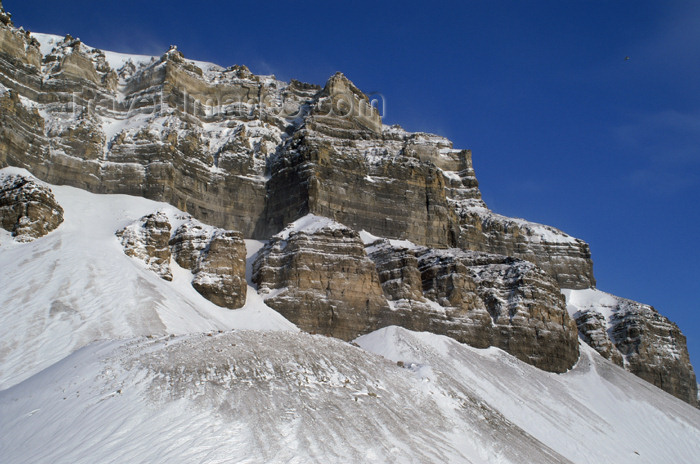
<point>147,239</point>
<point>216,257</point>
<point>28,209</point>
<point>319,275</point>
<point>316,273</point>
<point>478,298</point>
<point>637,337</point>
<point>247,152</point>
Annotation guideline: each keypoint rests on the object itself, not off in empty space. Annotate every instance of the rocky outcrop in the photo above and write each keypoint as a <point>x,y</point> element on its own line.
<point>593,330</point>
<point>340,165</point>
<point>637,337</point>
<point>162,128</point>
<point>316,274</point>
<point>360,178</point>
<point>654,349</point>
<point>565,258</point>
<point>27,209</point>
<point>147,240</point>
<point>5,17</point>
<point>216,257</point>
<point>480,299</point>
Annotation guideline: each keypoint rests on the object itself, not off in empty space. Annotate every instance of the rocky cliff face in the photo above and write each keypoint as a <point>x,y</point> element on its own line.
<point>216,257</point>
<point>637,337</point>
<point>480,299</point>
<point>252,154</point>
<point>247,152</point>
<point>361,173</point>
<point>27,210</point>
<point>565,258</point>
<point>319,275</point>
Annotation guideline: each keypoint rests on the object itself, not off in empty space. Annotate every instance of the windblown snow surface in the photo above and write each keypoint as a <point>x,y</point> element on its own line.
<point>103,361</point>
<point>76,285</point>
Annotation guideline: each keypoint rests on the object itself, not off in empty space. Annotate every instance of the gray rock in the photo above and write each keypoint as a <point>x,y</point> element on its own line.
<point>565,258</point>
<point>322,281</point>
<point>147,240</point>
<point>216,257</point>
<point>654,349</point>
<point>278,151</point>
<point>592,328</point>
<point>484,300</point>
<point>27,209</point>
<point>638,338</point>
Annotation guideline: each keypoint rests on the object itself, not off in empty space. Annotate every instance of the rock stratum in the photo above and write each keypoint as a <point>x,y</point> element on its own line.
<point>368,225</point>
<point>320,275</point>
<point>249,153</point>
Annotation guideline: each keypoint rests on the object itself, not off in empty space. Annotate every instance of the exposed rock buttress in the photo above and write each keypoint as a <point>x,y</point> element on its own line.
<point>216,257</point>
<point>637,337</point>
<point>321,278</point>
<point>27,209</point>
<point>480,299</point>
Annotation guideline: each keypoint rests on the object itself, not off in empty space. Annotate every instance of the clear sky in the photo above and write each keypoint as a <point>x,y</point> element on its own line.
<point>564,129</point>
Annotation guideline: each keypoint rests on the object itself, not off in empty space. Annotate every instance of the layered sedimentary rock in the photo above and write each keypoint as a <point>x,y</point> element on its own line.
<point>480,299</point>
<point>147,240</point>
<point>362,178</point>
<point>317,275</point>
<point>216,257</point>
<point>162,128</point>
<point>637,337</point>
<point>361,174</point>
<point>247,152</point>
<point>27,209</point>
<point>566,258</point>
<point>593,329</point>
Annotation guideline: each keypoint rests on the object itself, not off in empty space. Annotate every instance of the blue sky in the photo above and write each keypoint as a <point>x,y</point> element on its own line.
<point>563,129</point>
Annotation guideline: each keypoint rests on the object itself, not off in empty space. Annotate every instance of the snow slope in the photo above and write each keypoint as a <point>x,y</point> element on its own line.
<point>595,413</point>
<point>91,371</point>
<point>591,299</point>
<point>246,397</point>
<point>76,285</point>
<point>276,396</point>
